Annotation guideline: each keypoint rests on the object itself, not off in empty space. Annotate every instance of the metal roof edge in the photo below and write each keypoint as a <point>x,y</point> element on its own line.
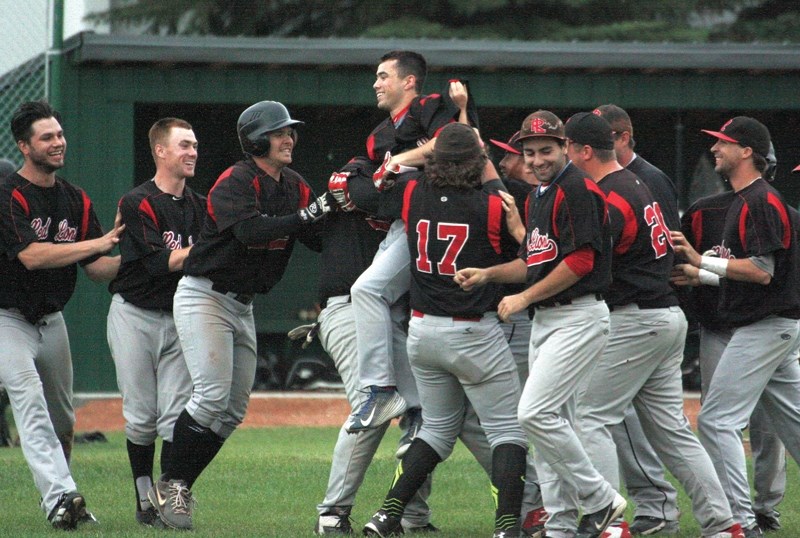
<point>91,47</point>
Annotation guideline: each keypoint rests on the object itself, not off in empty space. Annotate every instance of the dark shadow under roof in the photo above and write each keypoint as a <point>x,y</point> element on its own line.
<point>481,55</point>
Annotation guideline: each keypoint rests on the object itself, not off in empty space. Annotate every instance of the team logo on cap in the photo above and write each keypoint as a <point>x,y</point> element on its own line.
<point>541,249</point>
<point>726,125</point>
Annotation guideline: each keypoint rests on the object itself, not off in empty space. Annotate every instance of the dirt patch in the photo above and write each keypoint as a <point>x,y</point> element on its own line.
<point>265,411</point>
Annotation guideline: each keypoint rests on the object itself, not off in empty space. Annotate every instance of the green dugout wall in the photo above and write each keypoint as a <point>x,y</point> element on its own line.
<point>114,87</point>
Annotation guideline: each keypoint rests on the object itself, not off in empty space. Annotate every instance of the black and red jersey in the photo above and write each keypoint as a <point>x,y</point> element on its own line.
<point>450,229</point>
<point>661,186</point>
<point>562,217</point>
<point>415,125</point>
<point>758,223</point>
<point>59,214</point>
<point>702,225</point>
<point>156,223</point>
<point>349,243</point>
<point>642,249</point>
<point>244,192</point>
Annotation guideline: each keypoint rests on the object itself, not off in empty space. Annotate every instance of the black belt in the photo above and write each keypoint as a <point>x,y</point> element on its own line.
<point>641,306</point>
<point>244,298</point>
<point>565,302</point>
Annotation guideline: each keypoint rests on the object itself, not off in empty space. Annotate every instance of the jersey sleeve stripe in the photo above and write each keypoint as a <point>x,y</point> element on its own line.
<point>147,209</point>
<point>697,227</point>
<point>87,205</point>
<point>781,209</point>
<point>743,226</point>
<point>305,195</point>
<point>494,223</point>
<point>20,198</point>
<point>410,186</point>
<point>209,206</point>
<point>629,227</point>
<point>559,199</point>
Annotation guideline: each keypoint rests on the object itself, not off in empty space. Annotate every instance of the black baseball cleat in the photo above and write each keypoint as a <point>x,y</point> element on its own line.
<point>769,522</point>
<point>513,532</point>
<point>592,525</point>
<point>382,404</point>
<point>334,521</point>
<point>649,525</point>
<point>382,524</point>
<point>70,509</point>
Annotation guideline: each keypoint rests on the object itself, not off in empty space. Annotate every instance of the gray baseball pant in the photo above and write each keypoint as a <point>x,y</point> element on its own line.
<point>36,370</point>
<point>566,342</point>
<point>151,371</point>
<point>517,331</point>
<point>643,471</point>
<point>352,454</point>
<point>218,336</point>
<point>453,359</point>
<point>373,294</point>
<point>641,364</point>
<point>769,454</point>
<point>759,365</point>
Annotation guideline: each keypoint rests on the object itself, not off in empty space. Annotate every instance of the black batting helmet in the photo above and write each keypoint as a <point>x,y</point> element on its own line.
<point>257,121</point>
<point>7,167</point>
<point>772,164</point>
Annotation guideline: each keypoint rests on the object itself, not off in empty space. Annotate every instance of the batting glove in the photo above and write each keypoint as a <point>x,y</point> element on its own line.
<point>304,331</point>
<point>315,210</point>
<point>337,186</point>
<point>383,178</point>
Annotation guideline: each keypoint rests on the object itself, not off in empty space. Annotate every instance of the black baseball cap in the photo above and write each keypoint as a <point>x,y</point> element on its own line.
<point>589,129</point>
<point>745,131</point>
<point>542,123</point>
<point>512,146</point>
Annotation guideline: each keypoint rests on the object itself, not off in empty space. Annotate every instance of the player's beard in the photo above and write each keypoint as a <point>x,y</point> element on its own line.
<point>42,163</point>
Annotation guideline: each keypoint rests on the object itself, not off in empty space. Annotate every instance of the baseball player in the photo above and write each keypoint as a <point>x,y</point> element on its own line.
<point>565,260</point>
<point>519,180</point>
<point>759,301</point>
<point>47,227</point>
<point>163,218</point>
<point>407,135</point>
<point>257,209</point>
<point>455,344</point>
<point>641,363</point>
<point>350,239</point>
<point>655,498</point>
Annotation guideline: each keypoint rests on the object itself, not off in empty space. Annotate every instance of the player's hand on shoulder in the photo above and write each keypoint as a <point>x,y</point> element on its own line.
<point>317,209</point>
<point>513,220</point>
<point>338,187</point>
<point>470,277</point>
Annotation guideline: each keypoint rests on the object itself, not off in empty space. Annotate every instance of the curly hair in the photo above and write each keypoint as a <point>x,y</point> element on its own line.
<point>465,174</point>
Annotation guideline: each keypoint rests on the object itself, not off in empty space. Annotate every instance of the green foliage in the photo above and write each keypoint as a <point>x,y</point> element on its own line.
<point>554,20</point>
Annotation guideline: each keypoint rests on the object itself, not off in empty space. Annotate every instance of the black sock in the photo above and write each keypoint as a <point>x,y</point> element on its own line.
<point>411,473</point>
<point>193,448</point>
<point>166,454</point>
<point>141,459</point>
<point>508,481</point>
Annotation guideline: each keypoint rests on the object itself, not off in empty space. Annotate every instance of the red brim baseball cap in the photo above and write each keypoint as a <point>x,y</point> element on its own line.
<point>506,147</point>
<point>719,135</point>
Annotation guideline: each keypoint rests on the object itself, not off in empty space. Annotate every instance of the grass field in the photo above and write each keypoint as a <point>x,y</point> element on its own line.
<point>266,482</point>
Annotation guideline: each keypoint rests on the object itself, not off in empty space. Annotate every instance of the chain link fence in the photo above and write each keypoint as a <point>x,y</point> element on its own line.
<point>25,28</point>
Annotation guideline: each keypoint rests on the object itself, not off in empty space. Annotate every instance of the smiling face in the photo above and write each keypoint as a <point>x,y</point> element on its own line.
<point>46,148</point>
<point>178,155</point>
<point>727,157</point>
<point>392,90</point>
<point>544,156</point>
<point>281,145</point>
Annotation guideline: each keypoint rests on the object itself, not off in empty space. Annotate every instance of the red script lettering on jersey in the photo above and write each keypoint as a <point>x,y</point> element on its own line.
<point>541,249</point>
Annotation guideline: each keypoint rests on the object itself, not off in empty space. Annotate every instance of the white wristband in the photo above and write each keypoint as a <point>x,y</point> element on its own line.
<point>708,278</point>
<point>717,266</point>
